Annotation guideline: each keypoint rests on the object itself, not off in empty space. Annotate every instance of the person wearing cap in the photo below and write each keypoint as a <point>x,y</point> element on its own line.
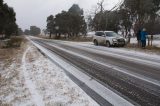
<point>143,37</point>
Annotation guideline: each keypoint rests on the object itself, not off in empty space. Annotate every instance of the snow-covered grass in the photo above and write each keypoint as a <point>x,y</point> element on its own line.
<point>13,91</point>
<point>35,81</point>
<point>52,83</point>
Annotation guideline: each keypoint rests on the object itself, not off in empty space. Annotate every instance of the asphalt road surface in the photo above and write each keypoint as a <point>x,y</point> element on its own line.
<point>134,78</point>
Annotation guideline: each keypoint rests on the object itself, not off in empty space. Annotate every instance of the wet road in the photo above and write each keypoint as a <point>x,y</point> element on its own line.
<point>135,78</point>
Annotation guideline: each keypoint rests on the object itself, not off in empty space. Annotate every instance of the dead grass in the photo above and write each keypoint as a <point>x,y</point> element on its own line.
<point>9,72</point>
<point>7,55</point>
<point>1,104</point>
<point>14,41</point>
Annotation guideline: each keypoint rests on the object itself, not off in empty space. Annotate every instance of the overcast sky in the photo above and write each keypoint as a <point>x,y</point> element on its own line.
<point>35,12</point>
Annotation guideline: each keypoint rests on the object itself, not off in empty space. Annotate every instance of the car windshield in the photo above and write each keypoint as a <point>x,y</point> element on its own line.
<point>112,34</point>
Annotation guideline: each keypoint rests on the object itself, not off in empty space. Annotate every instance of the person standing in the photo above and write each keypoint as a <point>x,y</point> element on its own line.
<point>143,37</point>
<point>138,34</point>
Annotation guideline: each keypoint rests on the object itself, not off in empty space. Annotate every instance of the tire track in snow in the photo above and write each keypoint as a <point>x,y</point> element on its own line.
<point>37,99</point>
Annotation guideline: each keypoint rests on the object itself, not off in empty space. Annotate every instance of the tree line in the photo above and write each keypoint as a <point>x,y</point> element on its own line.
<point>8,24</point>
<point>70,23</point>
<point>125,16</point>
<point>130,14</point>
<point>34,30</point>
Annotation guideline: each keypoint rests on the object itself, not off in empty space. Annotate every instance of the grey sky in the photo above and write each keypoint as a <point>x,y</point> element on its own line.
<point>35,12</point>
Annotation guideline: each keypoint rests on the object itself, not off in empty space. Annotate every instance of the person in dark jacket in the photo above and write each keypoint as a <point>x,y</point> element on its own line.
<point>143,37</point>
<point>139,37</point>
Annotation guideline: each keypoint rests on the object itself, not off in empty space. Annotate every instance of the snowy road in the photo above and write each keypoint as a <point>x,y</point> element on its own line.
<point>134,77</point>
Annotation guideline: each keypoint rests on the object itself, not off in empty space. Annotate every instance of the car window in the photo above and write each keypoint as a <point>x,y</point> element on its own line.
<point>112,34</point>
<point>99,33</point>
<point>96,33</point>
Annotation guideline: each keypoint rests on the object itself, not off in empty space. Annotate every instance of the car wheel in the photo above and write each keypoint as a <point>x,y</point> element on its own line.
<point>108,44</point>
<point>95,42</point>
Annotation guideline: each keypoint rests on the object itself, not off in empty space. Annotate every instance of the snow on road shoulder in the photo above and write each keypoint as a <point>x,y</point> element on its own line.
<point>131,52</point>
<point>52,83</point>
<point>37,99</point>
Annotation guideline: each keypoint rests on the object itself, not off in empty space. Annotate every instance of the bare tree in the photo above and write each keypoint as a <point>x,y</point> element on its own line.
<point>100,6</point>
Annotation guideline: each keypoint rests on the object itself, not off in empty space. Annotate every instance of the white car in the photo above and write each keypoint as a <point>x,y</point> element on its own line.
<point>108,38</point>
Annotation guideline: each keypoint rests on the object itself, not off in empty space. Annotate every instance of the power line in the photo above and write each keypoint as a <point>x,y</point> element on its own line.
<point>117,6</point>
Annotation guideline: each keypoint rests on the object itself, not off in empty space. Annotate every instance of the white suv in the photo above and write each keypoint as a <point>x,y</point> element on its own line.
<point>108,38</point>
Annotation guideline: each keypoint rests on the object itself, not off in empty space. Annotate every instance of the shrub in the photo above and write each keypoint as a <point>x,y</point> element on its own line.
<point>4,43</point>
<point>14,41</point>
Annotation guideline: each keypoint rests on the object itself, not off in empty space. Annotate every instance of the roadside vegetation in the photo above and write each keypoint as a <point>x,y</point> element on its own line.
<point>14,41</point>
<point>70,23</point>
<point>127,17</point>
<point>9,30</point>
<point>10,63</point>
<point>8,24</point>
<point>34,30</point>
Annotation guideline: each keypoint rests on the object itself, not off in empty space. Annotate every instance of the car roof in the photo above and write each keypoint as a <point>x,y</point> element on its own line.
<point>104,31</point>
<point>108,31</point>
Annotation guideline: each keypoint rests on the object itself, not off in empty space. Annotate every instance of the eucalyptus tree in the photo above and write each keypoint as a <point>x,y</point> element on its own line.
<point>142,11</point>
<point>8,24</point>
<point>69,22</point>
<point>34,30</point>
<point>50,25</point>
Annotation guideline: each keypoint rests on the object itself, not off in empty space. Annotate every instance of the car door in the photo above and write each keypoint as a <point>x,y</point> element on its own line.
<point>102,37</point>
<point>108,38</point>
<point>98,34</point>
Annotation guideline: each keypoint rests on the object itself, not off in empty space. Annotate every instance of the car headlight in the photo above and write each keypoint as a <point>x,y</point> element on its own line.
<point>114,40</point>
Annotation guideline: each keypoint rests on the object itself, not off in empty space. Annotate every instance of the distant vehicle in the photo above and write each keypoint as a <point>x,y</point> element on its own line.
<point>108,38</point>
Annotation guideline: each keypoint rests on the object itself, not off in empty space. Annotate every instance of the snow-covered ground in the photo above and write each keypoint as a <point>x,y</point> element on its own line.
<point>41,83</point>
<point>52,83</point>
<point>156,42</point>
<point>13,91</point>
